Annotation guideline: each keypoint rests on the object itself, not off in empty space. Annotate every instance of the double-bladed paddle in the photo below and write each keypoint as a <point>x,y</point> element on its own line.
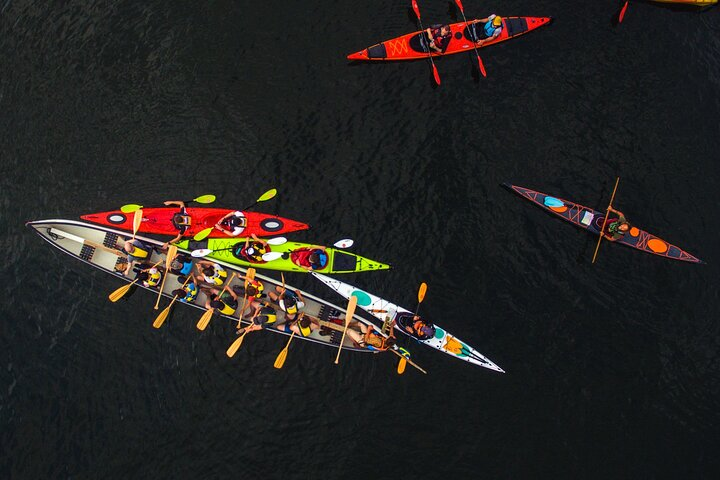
<point>607,214</point>
<point>481,66</point>
<point>131,207</point>
<point>203,234</point>
<point>436,75</point>
<point>202,252</point>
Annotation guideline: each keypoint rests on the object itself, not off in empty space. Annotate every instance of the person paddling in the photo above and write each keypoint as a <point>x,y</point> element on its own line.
<point>232,224</point>
<point>439,37</point>
<point>416,326</point>
<point>488,29</point>
<point>370,338</point>
<point>137,251</point>
<point>211,272</point>
<point>310,258</point>
<point>616,228</point>
<point>225,304</point>
<point>180,220</point>
<point>187,293</point>
<point>263,317</point>
<point>252,250</point>
<point>182,264</point>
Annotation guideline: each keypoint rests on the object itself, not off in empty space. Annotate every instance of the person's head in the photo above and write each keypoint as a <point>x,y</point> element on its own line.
<point>181,219</point>
<point>176,264</point>
<point>251,290</point>
<point>390,342</point>
<point>426,330</point>
<point>129,247</point>
<point>497,21</point>
<point>208,271</point>
<point>250,250</point>
<point>121,265</point>
<point>217,304</point>
<point>624,227</point>
<point>314,258</point>
<point>180,293</point>
<point>445,30</point>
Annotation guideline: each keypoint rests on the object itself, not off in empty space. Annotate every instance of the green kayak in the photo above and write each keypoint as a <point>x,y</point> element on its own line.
<point>288,257</point>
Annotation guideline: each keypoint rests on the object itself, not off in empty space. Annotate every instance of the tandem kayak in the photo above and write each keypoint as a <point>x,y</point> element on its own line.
<point>231,250</point>
<point>159,221</point>
<point>100,246</point>
<point>413,46</point>
<point>592,221</point>
<point>386,311</point>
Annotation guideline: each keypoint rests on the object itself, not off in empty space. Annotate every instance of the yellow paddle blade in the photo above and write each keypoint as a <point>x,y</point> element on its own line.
<point>267,195</point>
<point>280,360</point>
<point>120,292</point>
<point>352,305</point>
<point>203,234</point>
<point>161,318</point>
<point>235,345</point>
<point>131,207</point>
<point>205,199</point>
<point>607,214</point>
<point>205,319</point>
<point>137,220</point>
<point>422,291</point>
<point>402,365</point>
<point>170,255</point>
<point>250,274</point>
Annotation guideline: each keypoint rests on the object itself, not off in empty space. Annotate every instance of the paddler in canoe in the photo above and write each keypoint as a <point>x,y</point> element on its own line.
<point>369,337</point>
<point>180,220</point>
<point>264,316</point>
<point>188,292</point>
<point>487,29</point>
<point>211,272</point>
<point>137,251</point>
<point>616,227</point>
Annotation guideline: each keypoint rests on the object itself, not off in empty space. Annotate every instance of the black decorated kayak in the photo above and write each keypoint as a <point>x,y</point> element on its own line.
<point>592,221</point>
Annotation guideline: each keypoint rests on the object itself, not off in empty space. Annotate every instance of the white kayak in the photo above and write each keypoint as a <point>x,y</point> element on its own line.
<point>386,311</point>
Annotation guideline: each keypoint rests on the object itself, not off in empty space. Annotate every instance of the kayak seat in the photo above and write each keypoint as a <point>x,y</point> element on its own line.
<point>472,32</point>
<point>419,43</point>
<point>377,51</point>
<point>195,245</point>
<point>515,26</point>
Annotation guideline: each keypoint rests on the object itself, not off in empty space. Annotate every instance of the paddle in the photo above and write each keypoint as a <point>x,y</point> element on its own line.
<point>416,9</point>
<point>236,344</point>
<point>131,207</point>
<point>120,292</point>
<point>622,11</point>
<point>163,315</point>
<point>403,357</point>
<point>270,194</point>
<point>202,252</point>
<point>607,213</point>
<point>344,243</point>
<point>421,295</point>
<point>205,319</point>
<point>280,360</point>
<point>203,234</point>
<point>352,304</point>
<point>249,275</point>
<point>137,220</point>
<point>480,62</point>
<point>172,251</point>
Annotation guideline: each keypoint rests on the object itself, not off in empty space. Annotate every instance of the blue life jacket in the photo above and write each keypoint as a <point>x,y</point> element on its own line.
<point>490,29</point>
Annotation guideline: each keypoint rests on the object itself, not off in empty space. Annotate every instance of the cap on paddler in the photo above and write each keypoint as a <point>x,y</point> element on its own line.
<point>497,21</point>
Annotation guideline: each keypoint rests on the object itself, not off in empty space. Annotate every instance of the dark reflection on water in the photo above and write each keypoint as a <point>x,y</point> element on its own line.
<point>612,368</point>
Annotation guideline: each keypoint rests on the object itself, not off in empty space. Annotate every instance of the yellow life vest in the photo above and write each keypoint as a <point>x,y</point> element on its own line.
<point>217,278</point>
<point>139,252</point>
<point>154,278</point>
<point>226,309</point>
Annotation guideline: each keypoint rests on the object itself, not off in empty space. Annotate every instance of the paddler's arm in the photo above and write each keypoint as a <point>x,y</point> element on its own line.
<point>176,239</point>
<point>178,203</point>
<point>259,240</point>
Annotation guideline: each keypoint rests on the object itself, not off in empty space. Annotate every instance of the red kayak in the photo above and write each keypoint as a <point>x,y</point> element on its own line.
<point>159,221</point>
<point>413,46</point>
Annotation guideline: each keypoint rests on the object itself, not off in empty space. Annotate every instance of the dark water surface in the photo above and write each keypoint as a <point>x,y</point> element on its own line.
<point>612,369</point>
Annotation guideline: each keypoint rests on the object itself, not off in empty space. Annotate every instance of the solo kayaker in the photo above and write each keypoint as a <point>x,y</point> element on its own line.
<point>180,220</point>
<point>263,316</point>
<point>235,223</point>
<point>211,272</point>
<point>225,304</point>
<point>616,228</point>
<point>251,251</point>
<point>310,258</point>
<point>137,252</point>
<point>416,326</point>
<point>439,37</point>
<point>488,29</point>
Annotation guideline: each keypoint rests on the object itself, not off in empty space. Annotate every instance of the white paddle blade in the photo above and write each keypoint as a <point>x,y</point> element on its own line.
<point>277,241</point>
<point>270,256</point>
<point>201,252</point>
<point>344,243</point>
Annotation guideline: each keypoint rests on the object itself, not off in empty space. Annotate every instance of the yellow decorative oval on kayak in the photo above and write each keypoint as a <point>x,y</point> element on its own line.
<point>657,245</point>
<point>634,231</point>
<point>452,345</point>
<point>559,209</point>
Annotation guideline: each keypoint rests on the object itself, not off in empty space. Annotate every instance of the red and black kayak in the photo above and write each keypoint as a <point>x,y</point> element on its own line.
<point>159,221</point>
<point>414,45</point>
<point>592,221</point>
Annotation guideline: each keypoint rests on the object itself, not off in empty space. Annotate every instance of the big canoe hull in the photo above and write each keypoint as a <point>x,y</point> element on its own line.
<point>413,45</point>
<point>382,309</point>
<point>158,221</point>
<point>67,235</point>
<point>592,221</point>
<point>339,261</point>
